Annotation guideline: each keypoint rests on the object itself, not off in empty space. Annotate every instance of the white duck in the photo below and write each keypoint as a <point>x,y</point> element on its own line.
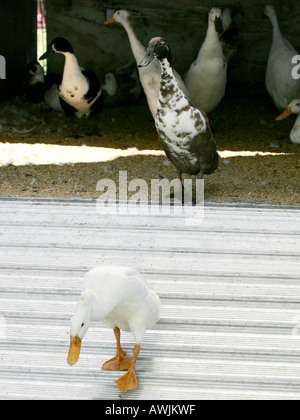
<point>293,108</point>
<point>121,299</point>
<point>279,81</point>
<point>207,76</point>
<point>150,76</point>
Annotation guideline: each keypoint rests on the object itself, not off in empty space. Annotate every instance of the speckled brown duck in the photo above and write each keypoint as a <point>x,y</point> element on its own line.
<point>183,128</point>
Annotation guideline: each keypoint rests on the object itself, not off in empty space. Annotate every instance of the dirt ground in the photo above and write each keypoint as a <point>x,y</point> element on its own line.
<point>242,123</point>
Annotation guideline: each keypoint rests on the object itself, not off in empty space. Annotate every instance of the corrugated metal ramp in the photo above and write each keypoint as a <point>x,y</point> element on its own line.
<point>230,293</point>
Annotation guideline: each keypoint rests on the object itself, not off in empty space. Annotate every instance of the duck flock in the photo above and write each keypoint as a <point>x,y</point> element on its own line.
<point>181,109</point>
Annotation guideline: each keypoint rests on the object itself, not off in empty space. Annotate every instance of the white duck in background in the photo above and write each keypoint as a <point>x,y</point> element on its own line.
<point>121,299</point>
<point>293,108</point>
<point>149,76</point>
<point>207,76</point>
<point>279,81</point>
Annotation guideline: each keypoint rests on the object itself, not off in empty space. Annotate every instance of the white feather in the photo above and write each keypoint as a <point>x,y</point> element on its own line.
<point>279,81</point>
<point>294,107</point>
<point>74,86</point>
<point>207,76</point>
<point>119,297</point>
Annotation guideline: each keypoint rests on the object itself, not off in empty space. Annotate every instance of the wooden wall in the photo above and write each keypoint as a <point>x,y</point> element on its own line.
<point>183,23</point>
<point>17,41</point>
<point>99,47</point>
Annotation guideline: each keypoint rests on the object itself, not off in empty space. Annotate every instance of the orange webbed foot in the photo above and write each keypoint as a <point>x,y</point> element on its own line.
<point>119,362</point>
<point>128,381</point>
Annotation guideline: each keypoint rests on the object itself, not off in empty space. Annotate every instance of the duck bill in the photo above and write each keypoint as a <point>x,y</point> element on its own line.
<point>285,114</point>
<point>219,25</point>
<point>47,54</point>
<point>109,21</point>
<point>74,351</point>
<point>147,59</point>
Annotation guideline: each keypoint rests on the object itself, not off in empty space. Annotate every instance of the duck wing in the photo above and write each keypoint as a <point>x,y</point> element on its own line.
<point>94,85</point>
<point>67,108</point>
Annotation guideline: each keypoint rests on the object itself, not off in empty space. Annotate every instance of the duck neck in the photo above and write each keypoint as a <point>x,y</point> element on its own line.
<point>276,29</point>
<point>212,37</point>
<point>96,307</point>
<point>167,80</point>
<point>295,132</point>
<point>297,123</point>
<point>86,302</point>
<point>137,48</point>
<point>71,67</point>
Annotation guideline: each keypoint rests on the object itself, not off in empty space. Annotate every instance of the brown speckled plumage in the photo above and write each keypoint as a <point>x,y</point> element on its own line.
<point>183,129</point>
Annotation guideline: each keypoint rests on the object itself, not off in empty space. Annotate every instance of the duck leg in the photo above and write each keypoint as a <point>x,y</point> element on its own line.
<point>174,194</point>
<point>93,127</point>
<point>195,198</point>
<point>129,380</point>
<point>180,177</point>
<point>182,187</point>
<point>119,362</point>
<point>96,127</point>
<point>75,133</point>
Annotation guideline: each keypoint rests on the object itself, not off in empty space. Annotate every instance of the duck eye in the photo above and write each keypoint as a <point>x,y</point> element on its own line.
<point>82,325</point>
